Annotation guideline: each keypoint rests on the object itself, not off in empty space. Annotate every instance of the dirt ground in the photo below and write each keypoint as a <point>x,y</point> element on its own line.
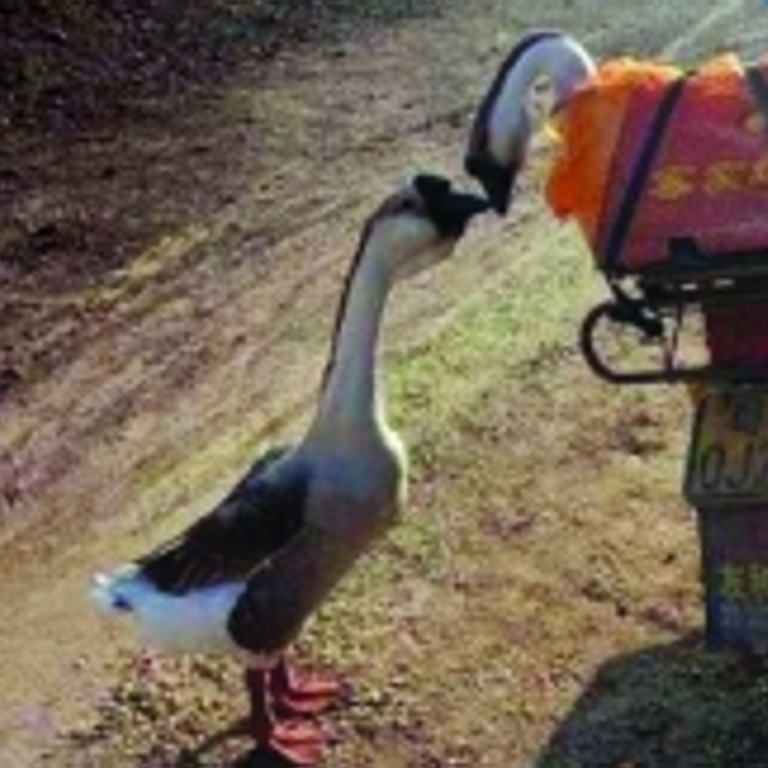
<point>167,285</point>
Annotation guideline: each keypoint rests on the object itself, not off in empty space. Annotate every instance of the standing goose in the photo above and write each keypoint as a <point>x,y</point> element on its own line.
<point>245,577</point>
<point>502,129</point>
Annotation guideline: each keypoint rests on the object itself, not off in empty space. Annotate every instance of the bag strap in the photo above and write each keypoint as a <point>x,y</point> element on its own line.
<point>759,87</point>
<point>621,224</point>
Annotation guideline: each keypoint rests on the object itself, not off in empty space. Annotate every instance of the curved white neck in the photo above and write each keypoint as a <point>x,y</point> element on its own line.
<point>560,59</point>
<point>350,396</point>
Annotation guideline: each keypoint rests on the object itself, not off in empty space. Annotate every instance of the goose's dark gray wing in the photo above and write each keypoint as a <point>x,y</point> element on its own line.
<point>257,519</point>
<point>279,598</point>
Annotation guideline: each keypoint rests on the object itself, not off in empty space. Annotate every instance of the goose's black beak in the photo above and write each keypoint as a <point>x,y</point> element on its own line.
<point>497,180</point>
<point>450,211</point>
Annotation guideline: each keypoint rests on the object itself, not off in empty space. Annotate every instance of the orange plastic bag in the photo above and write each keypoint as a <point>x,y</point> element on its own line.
<point>708,179</point>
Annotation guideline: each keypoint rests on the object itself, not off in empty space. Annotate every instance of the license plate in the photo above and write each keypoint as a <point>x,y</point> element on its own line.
<point>728,454</point>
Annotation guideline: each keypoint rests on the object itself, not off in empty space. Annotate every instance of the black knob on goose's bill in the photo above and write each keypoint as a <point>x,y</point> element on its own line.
<point>450,211</point>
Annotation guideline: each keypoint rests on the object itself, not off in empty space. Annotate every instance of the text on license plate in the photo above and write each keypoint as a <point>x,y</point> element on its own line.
<point>728,454</point>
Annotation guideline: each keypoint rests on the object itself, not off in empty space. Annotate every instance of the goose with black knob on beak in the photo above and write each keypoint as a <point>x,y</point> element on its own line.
<point>503,126</point>
<point>244,578</point>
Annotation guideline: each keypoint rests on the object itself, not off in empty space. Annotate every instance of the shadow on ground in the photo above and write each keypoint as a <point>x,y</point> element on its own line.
<point>248,758</point>
<point>665,707</point>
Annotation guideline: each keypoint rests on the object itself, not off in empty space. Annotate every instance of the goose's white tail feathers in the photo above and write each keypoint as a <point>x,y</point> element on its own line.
<point>110,592</point>
<point>194,622</point>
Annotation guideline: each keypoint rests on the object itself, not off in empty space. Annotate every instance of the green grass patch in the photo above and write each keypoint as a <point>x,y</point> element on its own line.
<point>534,310</point>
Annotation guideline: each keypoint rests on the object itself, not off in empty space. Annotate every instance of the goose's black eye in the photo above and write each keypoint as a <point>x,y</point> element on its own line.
<point>409,205</point>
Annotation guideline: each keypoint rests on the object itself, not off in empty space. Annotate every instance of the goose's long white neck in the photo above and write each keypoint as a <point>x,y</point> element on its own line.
<point>559,58</point>
<point>350,398</point>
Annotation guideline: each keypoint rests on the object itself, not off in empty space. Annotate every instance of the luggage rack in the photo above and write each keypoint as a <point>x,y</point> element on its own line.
<point>655,301</point>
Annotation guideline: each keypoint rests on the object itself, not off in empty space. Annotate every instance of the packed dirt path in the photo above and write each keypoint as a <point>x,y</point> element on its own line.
<point>177,318</point>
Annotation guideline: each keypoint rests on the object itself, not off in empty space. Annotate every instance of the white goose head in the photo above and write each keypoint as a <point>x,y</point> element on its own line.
<point>419,226</point>
<point>503,125</point>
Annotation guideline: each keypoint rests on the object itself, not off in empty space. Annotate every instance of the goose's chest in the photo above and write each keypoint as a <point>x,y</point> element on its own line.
<point>358,494</point>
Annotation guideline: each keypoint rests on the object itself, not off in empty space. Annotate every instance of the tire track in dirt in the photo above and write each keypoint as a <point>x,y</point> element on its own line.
<point>719,13</point>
